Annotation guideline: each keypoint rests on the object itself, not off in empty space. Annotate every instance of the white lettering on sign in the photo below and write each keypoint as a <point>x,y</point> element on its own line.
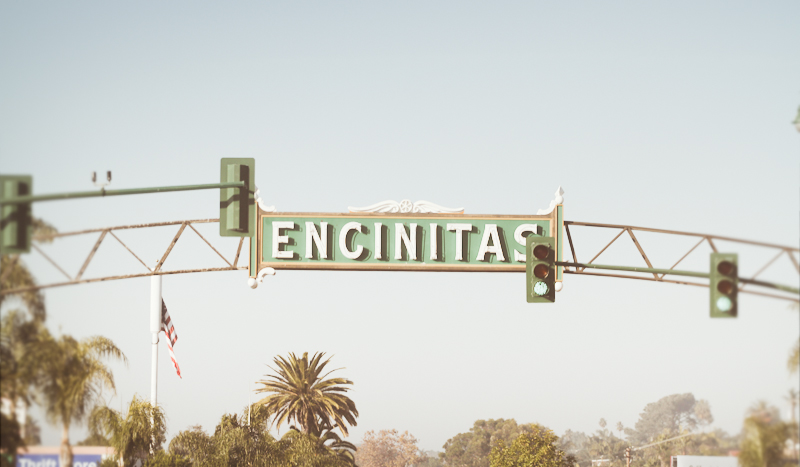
<point>22,462</point>
<point>521,229</point>
<point>278,240</point>
<point>459,229</point>
<point>378,240</point>
<point>490,233</point>
<point>350,226</point>
<point>320,240</point>
<point>434,240</point>
<point>50,460</point>
<point>402,238</point>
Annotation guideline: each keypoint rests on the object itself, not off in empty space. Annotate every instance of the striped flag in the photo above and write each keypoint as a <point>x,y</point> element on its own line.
<point>172,336</point>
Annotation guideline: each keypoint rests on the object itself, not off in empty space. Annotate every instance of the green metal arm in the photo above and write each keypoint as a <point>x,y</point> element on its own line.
<point>675,272</point>
<point>129,191</point>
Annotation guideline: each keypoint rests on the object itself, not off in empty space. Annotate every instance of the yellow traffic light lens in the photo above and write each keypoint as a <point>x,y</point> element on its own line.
<point>541,271</point>
<point>725,268</point>
<point>540,288</point>
<point>725,287</point>
<point>724,304</point>
<point>541,251</point>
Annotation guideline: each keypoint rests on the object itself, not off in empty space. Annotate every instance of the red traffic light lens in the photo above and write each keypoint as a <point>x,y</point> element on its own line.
<point>725,287</point>
<point>541,251</point>
<point>725,268</point>
<point>541,271</point>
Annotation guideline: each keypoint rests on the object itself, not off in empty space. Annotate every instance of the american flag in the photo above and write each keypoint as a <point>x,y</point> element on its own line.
<point>172,336</point>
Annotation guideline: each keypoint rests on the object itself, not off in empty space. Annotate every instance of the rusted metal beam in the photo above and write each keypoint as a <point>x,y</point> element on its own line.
<point>91,254</point>
<point>571,246</point>
<point>766,265</point>
<point>641,252</point>
<point>211,246</point>
<point>113,278</point>
<point>678,232</point>
<point>238,250</point>
<point>604,248</point>
<point>794,260</point>
<point>51,261</point>
<point>169,249</point>
<point>670,281</point>
<point>687,254</point>
<point>123,227</point>
<point>130,251</point>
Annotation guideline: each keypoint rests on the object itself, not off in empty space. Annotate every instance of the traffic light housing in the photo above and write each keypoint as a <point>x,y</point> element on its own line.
<point>724,285</point>
<point>16,225</point>
<point>237,206</point>
<point>540,269</point>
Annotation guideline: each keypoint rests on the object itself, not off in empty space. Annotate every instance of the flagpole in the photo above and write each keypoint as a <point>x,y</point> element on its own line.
<point>155,327</point>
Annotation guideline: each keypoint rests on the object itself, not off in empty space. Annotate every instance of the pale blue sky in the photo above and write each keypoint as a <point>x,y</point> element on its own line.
<point>662,114</point>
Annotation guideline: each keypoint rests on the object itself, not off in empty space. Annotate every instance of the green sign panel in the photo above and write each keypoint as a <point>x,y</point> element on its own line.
<point>396,242</point>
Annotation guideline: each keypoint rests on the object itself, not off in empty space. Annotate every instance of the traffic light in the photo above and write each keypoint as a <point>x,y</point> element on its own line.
<point>15,224</point>
<point>540,269</point>
<point>237,206</point>
<point>724,285</point>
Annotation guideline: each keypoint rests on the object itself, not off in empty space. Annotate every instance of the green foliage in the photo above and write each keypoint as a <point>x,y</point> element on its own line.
<point>22,364</point>
<point>10,439</point>
<point>300,393</point>
<point>163,459</point>
<point>472,449</point>
<point>577,444</point>
<point>669,415</point>
<point>538,449</point>
<point>604,445</point>
<point>388,448</point>
<point>237,443</point>
<point>131,434</point>
<point>74,376</point>
<point>430,459</point>
<point>94,439</point>
<point>763,437</point>
<point>15,275</point>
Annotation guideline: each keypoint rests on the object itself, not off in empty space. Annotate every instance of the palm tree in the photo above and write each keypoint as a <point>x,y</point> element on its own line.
<point>74,379</point>
<point>131,434</point>
<point>301,394</point>
<point>19,366</point>
<point>763,437</point>
<point>16,275</point>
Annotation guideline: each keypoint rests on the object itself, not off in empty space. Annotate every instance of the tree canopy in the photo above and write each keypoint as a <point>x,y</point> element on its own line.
<point>535,449</point>
<point>669,415</point>
<point>300,393</point>
<point>472,449</point>
<point>387,448</point>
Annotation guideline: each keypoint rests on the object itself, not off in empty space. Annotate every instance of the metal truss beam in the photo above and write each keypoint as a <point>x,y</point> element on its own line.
<point>573,267</point>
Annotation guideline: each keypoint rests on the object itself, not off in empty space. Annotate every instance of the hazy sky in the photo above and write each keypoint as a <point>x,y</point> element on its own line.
<point>662,114</point>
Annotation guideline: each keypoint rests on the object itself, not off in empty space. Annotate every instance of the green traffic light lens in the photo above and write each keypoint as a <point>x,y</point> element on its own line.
<point>540,288</point>
<point>725,287</point>
<point>541,271</point>
<point>725,268</point>
<point>541,251</point>
<point>724,304</point>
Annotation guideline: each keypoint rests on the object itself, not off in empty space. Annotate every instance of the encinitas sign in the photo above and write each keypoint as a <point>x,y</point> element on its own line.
<point>404,236</point>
